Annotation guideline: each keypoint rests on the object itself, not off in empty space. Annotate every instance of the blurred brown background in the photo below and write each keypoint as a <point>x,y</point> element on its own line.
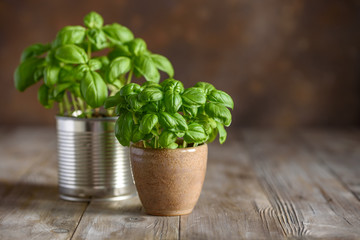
<point>286,63</point>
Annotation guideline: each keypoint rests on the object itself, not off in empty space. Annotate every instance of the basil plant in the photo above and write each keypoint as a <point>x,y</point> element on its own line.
<point>77,76</point>
<point>168,116</point>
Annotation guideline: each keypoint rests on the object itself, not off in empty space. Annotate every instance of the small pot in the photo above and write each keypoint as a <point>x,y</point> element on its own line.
<point>92,163</point>
<point>168,181</point>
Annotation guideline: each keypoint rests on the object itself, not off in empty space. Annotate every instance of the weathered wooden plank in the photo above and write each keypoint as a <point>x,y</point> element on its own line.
<point>20,150</point>
<point>124,220</point>
<point>232,204</point>
<point>308,200</point>
<point>340,152</point>
<point>29,203</point>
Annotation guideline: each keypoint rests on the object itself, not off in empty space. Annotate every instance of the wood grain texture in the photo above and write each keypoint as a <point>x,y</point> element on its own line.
<point>309,201</point>
<point>29,203</point>
<point>259,185</point>
<point>124,220</point>
<point>340,152</point>
<point>232,204</point>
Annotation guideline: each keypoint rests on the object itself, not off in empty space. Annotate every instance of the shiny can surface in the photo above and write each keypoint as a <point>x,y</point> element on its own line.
<point>92,163</point>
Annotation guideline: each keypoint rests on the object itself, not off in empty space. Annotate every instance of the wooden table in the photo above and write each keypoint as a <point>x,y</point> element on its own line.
<point>259,185</point>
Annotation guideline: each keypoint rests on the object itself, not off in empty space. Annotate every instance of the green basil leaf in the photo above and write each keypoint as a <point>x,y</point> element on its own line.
<point>179,134</point>
<point>118,66</point>
<point>71,54</point>
<point>113,101</point>
<point>195,134</point>
<point>206,86</point>
<point>104,61</point>
<point>77,73</point>
<point>221,97</point>
<point>167,121</point>
<point>191,111</point>
<point>34,50</point>
<point>43,96</point>
<point>137,46</point>
<point>39,73</point>
<point>130,89</point>
<point>123,128</point>
<point>180,122</point>
<point>70,35</point>
<point>173,85</point>
<point>172,101</point>
<point>222,133</point>
<point>98,38</point>
<point>121,108</point>
<point>117,33</point>
<point>146,67</point>
<point>51,75</point>
<point>208,123</point>
<point>75,89</point>
<point>148,122</point>
<point>94,64</point>
<point>151,94</point>
<point>149,84</point>
<point>24,75</point>
<point>166,82</point>
<point>167,139</point>
<point>119,51</point>
<point>134,102</point>
<point>136,134</point>
<point>152,107</point>
<point>93,20</point>
<point>193,96</point>
<point>60,89</point>
<point>93,89</point>
<point>163,64</point>
<point>212,135</point>
<point>219,112</point>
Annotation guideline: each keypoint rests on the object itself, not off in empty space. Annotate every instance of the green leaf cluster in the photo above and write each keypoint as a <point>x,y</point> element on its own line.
<point>77,79</point>
<point>167,115</point>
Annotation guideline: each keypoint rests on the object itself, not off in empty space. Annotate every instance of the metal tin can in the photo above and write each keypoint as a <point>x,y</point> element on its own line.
<point>92,163</point>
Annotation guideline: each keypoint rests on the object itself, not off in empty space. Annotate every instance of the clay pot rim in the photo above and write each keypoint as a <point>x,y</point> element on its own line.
<point>190,149</point>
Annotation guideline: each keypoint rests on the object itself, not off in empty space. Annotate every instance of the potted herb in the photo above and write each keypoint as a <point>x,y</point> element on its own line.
<point>169,127</point>
<point>78,71</point>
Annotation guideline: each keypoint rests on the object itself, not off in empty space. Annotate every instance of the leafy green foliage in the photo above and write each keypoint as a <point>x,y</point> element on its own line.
<point>25,73</point>
<point>71,54</point>
<point>146,67</point>
<point>148,122</point>
<point>93,20</point>
<point>194,97</point>
<point>166,114</point>
<point>70,35</point>
<point>117,33</point>
<point>76,80</point>
<point>43,96</point>
<point>93,89</point>
<point>34,50</point>
<point>119,66</point>
<point>163,64</point>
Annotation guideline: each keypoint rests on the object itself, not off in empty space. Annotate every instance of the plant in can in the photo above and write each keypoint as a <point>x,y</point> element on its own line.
<point>75,72</point>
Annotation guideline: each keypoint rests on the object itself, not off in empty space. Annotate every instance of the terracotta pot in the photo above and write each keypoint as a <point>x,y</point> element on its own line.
<point>169,181</point>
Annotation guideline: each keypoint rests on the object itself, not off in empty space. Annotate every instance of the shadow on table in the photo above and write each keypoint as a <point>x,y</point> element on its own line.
<point>17,191</point>
<point>31,196</point>
<point>131,207</point>
<point>46,197</point>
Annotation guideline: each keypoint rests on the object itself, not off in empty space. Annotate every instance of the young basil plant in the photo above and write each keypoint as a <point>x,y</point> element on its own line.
<point>80,82</point>
<point>166,115</point>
